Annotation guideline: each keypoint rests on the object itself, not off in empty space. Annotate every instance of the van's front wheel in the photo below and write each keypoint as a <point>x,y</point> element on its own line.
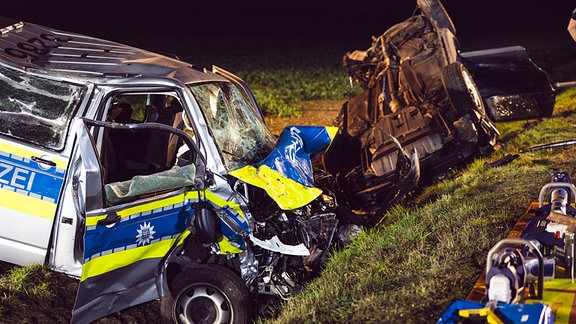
<point>208,294</point>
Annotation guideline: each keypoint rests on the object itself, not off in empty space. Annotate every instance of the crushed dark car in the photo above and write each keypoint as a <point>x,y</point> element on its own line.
<point>425,108</point>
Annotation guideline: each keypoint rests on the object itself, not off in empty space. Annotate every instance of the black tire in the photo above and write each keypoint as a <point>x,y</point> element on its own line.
<point>462,91</point>
<point>436,11</point>
<point>208,294</point>
<point>466,99</point>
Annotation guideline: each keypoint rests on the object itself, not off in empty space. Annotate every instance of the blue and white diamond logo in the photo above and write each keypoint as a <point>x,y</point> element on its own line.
<point>145,234</point>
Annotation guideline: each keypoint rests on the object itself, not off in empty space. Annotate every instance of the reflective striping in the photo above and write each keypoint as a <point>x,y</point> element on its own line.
<point>24,204</point>
<point>26,154</point>
<point>26,177</point>
<point>331,130</point>
<point>132,233</point>
<point>141,210</point>
<point>218,201</point>
<point>27,193</point>
<point>171,203</point>
<point>230,208</point>
<point>113,261</point>
<point>143,232</point>
<point>128,247</point>
<point>227,247</point>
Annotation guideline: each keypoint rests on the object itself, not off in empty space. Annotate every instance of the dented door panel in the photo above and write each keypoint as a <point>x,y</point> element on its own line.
<point>132,226</point>
<point>124,244</point>
<point>512,86</point>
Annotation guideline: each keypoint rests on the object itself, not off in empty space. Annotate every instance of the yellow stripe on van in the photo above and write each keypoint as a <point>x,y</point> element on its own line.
<point>28,154</point>
<point>217,200</point>
<point>93,220</point>
<point>28,205</point>
<point>120,259</point>
<point>227,248</point>
<point>331,130</point>
<point>192,195</point>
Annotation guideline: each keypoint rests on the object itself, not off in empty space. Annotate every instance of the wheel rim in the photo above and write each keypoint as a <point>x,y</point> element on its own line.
<point>489,129</point>
<point>474,93</point>
<point>202,303</point>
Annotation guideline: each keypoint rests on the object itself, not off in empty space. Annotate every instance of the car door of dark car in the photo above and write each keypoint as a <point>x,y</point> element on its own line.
<point>512,86</point>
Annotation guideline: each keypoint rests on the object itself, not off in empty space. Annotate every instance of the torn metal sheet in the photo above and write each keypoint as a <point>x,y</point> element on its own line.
<point>286,173</point>
<point>275,245</point>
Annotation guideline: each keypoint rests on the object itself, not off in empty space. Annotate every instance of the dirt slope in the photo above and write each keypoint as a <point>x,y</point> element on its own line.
<point>314,113</point>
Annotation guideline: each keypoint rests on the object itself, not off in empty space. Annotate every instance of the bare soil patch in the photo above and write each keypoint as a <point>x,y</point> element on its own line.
<point>314,113</point>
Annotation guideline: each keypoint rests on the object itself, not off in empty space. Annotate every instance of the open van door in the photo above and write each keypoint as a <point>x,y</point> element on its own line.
<point>131,225</point>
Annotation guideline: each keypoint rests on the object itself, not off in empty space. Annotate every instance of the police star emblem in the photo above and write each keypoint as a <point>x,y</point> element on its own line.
<point>145,234</point>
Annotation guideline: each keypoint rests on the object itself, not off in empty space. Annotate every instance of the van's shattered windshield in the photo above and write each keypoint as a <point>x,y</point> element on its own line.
<point>241,136</point>
<point>36,110</point>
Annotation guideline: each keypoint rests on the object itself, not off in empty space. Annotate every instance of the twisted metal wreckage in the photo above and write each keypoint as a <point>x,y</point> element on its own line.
<point>426,105</point>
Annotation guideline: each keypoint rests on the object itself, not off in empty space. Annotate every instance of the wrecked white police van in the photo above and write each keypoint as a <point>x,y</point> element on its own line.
<point>147,178</point>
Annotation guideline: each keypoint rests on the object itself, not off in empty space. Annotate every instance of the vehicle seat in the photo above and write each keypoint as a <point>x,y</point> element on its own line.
<point>161,149</point>
<point>120,113</point>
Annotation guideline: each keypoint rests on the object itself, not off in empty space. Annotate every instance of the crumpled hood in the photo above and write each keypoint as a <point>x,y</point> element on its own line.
<point>286,173</point>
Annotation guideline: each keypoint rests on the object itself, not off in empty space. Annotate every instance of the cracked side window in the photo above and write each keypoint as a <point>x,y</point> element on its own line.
<point>35,109</point>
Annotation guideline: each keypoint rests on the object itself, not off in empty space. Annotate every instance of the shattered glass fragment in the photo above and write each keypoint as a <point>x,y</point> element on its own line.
<point>139,185</point>
<point>35,109</point>
<point>241,136</point>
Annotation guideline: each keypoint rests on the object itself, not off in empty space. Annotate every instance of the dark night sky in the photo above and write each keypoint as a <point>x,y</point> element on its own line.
<point>217,23</point>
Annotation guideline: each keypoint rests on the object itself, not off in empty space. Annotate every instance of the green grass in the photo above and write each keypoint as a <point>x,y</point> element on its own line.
<point>421,258</point>
<point>34,286</point>
<point>278,91</point>
<point>282,75</point>
<point>280,80</point>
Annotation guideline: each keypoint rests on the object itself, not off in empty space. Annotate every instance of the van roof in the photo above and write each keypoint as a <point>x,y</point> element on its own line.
<point>44,50</point>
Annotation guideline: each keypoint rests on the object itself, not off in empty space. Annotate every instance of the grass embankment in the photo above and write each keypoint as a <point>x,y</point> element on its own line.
<point>35,294</point>
<point>422,258</point>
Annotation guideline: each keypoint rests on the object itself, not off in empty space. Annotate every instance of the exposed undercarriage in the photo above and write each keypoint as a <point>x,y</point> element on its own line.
<point>421,111</point>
